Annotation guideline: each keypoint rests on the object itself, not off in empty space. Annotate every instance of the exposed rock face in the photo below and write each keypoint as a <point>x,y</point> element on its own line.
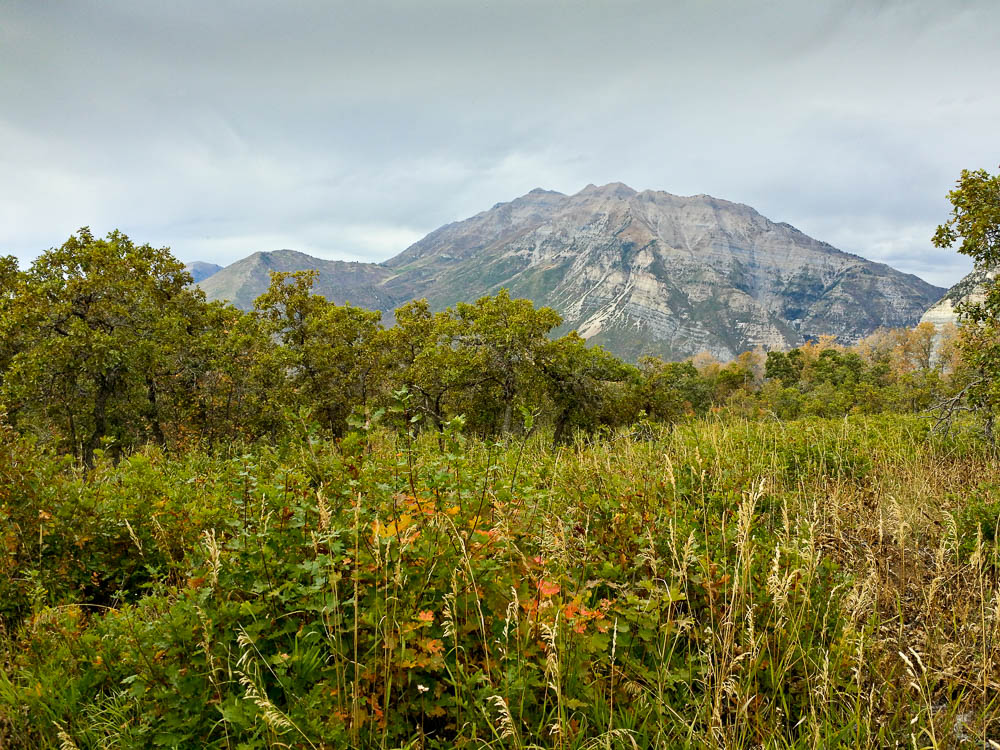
<point>661,274</point>
<point>200,270</point>
<point>640,273</point>
<point>971,289</point>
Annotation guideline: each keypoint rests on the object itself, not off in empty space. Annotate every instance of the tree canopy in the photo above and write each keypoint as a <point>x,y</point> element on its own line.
<point>974,225</point>
<point>106,345</point>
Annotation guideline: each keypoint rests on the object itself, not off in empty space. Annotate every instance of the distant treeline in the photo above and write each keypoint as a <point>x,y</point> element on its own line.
<point>105,345</point>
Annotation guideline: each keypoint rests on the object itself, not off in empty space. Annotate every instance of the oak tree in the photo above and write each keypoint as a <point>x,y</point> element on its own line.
<point>974,225</point>
<point>100,325</point>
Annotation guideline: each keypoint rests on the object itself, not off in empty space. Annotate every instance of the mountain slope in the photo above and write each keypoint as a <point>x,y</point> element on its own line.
<point>201,270</point>
<point>661,274</point>
<point>640,273</point>
<point>970,289</point>
<point>358,283</point>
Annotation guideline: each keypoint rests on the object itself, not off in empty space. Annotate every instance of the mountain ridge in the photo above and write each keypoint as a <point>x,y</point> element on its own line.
<point>343,281</point>
<point>640,272</point>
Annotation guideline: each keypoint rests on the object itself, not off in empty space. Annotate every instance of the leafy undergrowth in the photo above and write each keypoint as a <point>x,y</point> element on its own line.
<point>722,584</point>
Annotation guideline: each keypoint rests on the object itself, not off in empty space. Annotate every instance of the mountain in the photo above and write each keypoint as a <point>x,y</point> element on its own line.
<point>341,281</point>
<point>972,288</point>
<point>201,270</point>
<point>657,273</point>
<point>640,273</point>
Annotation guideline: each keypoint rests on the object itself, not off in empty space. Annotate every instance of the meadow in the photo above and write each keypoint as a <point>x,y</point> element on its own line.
<point>719,582</point>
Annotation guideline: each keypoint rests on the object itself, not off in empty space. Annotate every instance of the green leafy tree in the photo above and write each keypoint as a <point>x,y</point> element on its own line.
<point>783,402</point>
<point>335,351</point>
<point>10,277</point>
<point>505,339</point>
<point>101,324</point>
<point>234,383</point>
<point>670,391</point>
<point>786,367</point>
<point>289,305</point>
<point>430,359</point>
<point>841,368</point>
<point>738,376</point>
<point>587,386</point>
<point>975,225</point>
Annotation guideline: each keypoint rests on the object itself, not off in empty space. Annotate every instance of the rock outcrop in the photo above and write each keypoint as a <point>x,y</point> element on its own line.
<point>971,289</point>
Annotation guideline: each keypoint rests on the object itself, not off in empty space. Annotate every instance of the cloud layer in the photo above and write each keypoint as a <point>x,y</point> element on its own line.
<point>349,130</point>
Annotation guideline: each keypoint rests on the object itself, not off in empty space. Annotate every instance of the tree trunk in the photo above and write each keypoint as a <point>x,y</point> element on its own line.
<point>562,422</point>
<point>72,436</point>
<point>100,422</point>
<point>437,415</point>
<point>154,414</point>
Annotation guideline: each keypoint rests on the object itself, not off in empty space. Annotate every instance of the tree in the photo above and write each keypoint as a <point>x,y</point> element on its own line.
<point>10,278</point>
<point>584,383</point>
<point>975,222</point>
<point>335,351</point>
<point>786,367</point>
<point>918,349</point>
<point>505,338</point>
<point>743,374</point>
<point>670,391</point>
<point>481,359</point>
<point>428,360</point>
<point>234,379</point>
<point>100,325</point>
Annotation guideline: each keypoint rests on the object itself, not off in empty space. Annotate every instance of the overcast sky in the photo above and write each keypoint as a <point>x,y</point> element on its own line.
<point>350,130</point>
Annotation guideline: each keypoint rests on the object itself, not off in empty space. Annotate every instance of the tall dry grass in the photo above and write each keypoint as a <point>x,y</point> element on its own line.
<point>717,584</point>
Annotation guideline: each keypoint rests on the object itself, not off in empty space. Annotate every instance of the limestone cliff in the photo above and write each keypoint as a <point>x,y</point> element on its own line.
<point>971,289</point>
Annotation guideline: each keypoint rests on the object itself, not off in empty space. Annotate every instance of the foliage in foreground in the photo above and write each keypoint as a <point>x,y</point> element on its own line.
<point>720,584</point>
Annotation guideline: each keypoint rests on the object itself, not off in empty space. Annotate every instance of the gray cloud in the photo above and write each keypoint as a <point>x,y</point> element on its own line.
<point>349,130</point>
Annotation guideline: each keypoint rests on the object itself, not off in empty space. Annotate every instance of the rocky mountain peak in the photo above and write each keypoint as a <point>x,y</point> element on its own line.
<point>611,190</point>
<point>639,272</point>
<point>542,191</point>
<point>658,273</point>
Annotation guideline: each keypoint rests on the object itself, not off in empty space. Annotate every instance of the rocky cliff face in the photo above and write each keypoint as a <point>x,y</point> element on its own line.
<point>970,289</point>
<point>640,273</point>
<point>657,273</point>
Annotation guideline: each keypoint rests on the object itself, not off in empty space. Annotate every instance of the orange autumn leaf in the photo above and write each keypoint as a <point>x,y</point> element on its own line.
<point>548,588</point>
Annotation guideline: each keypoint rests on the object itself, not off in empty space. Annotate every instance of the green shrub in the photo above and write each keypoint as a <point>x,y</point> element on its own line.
<point>978,517</point>
<point>399,590</point>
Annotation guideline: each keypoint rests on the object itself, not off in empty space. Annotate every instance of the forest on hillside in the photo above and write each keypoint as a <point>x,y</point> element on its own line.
<point>106,347</point>
<point>293,527</point>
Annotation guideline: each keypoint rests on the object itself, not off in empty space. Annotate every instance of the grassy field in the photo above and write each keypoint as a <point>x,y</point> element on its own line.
<point>813,584</point>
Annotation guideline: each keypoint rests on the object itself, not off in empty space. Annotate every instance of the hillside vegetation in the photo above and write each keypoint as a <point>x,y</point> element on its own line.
<point>294,527</point>
<point>721,583</point>
<point>105,346</point>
